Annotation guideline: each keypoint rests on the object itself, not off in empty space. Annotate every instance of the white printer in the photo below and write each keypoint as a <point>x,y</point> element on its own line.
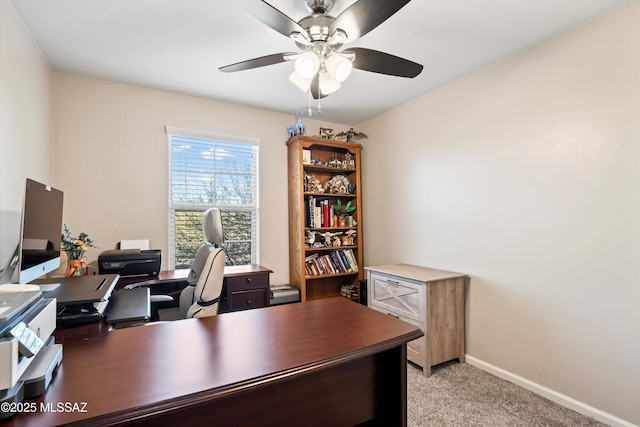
<point>28,356</point>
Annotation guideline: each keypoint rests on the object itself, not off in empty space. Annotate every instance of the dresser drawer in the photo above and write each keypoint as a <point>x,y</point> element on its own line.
<point>415,348</point>
<point>400,297</point>
<point>248,281</point>
<point>243,300</point>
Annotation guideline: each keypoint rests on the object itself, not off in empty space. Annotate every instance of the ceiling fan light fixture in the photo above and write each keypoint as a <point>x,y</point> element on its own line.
<point>307,64</point>
<point>327,84</point>
<point>338,67</point>
<point>302,83</point>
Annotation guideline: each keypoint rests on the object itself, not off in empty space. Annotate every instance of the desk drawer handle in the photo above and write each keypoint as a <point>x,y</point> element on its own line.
<point>393,283</point>
<point>249,280</point>
<point>249,302</point>
<point>393,315</point>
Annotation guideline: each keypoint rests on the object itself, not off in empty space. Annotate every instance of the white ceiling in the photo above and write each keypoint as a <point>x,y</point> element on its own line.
<point>178,45</point>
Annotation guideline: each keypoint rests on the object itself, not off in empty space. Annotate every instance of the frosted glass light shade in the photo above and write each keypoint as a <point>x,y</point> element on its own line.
<point>302,83</point>
<point>339,67</point>
<point>307,64</point>
<point>328,84</point>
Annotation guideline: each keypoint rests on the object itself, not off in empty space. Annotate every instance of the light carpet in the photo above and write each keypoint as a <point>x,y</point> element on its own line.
<point>458,394</point>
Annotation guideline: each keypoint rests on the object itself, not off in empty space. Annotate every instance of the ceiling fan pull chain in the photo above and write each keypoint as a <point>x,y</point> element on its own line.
<point>309,98</point>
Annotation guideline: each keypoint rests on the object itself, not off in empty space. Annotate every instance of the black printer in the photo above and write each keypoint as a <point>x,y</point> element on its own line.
<point>130,262</point>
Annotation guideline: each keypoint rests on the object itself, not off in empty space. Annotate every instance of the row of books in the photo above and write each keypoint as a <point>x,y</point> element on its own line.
<point>333,262</point>
<point>318,213</point>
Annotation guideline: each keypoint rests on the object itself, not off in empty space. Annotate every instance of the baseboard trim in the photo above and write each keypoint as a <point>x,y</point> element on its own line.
<point>552,395</point>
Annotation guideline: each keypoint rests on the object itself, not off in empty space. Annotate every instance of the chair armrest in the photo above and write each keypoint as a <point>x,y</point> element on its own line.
<point>161,298</point>
<point>144,283</point>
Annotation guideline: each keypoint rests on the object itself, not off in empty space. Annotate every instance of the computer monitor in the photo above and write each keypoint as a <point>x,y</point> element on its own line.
<point>38,251</point>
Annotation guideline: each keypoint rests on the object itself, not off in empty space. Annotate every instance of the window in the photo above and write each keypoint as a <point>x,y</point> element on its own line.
<point>207,170</point>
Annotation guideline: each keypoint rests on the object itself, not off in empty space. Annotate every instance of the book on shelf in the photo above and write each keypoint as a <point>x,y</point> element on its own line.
<point>328,266</point>
<point>309,211</point>
<point>325,213</point>
<point>335,262</point>
<point>352,259</point>
<point>343,257</point>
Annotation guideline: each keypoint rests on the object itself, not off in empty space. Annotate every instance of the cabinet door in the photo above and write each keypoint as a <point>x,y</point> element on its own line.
<point>397,296</point>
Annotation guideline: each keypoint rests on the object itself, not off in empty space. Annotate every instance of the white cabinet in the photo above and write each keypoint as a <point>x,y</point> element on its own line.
<point>429,298</point>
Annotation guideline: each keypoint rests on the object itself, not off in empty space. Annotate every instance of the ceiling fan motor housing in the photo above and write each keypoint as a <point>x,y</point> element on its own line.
<point>319,6</point>
<point>317,27</point>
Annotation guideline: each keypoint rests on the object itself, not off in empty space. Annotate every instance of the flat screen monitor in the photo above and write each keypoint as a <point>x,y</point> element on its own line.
<point>39,247</point>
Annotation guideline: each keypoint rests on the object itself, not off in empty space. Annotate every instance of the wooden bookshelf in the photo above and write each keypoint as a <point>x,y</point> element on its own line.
<point>323,281</point>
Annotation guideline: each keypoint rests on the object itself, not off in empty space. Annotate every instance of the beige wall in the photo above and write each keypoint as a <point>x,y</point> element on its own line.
<point>111,155</point>
<point>523,175</point>
<point>25,123</point>
<point>526,176</point>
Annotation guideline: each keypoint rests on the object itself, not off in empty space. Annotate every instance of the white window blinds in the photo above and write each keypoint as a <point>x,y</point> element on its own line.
<point>207,170</point>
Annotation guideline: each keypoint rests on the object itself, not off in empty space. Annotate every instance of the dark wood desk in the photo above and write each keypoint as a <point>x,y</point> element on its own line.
<point>329,362</point>
<point>245,286</point>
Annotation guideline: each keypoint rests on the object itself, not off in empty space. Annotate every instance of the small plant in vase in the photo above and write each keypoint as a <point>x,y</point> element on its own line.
<point>75,247</point>
<point>345,212</point>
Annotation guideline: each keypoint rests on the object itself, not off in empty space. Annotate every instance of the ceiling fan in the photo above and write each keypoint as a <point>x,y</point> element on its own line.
<point>321,66</point>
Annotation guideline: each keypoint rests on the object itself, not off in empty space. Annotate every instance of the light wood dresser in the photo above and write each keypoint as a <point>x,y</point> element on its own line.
<point>425,297</point>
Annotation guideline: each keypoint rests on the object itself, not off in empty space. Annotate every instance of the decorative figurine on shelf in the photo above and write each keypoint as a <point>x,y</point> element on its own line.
<point>351,236</point>
<point>348,162</point>
<point>310,238</point>
<point>351,135</point>
<point>312,184</point>
<point>299,125</point>
<point>328,237</point>
<point>326,133</point>
<point>318,162</point>
<point>292,131</point>
<point>334,162</point>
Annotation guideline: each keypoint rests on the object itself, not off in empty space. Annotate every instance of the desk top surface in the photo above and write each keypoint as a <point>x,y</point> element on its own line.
<point>141,370</point>
<point>182,274</point>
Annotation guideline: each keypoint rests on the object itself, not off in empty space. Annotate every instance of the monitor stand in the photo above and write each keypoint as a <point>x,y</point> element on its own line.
<point>9,274</point>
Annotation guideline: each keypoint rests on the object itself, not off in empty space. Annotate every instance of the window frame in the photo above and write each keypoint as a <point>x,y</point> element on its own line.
<point>253,208</point>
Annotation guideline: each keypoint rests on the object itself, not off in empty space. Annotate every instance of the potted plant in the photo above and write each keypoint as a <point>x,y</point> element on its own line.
<point>345,211</point>
<point>75,248</point>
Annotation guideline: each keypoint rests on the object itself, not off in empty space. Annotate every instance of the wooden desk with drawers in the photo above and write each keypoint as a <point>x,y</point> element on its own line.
<point>329,362</point>
<point>245,286</point>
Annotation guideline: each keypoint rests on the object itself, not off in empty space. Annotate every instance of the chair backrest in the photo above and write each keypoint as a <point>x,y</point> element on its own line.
<point>201,297</point>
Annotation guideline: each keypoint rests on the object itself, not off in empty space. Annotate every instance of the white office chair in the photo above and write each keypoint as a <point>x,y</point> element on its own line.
<point>202,296</point>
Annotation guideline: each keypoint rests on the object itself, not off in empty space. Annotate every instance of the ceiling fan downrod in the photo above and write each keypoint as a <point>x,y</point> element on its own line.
<point>320,7</point>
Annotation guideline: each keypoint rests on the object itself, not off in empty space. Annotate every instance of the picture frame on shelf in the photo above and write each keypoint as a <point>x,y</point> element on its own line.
<point>306,156</point>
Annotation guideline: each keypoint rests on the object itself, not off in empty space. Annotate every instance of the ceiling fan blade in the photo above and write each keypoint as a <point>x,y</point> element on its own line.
<point>384,63</point>
<point>365,15</point>
<point>271,16</point>
<point>315,88</point>
<point>262,61</point>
